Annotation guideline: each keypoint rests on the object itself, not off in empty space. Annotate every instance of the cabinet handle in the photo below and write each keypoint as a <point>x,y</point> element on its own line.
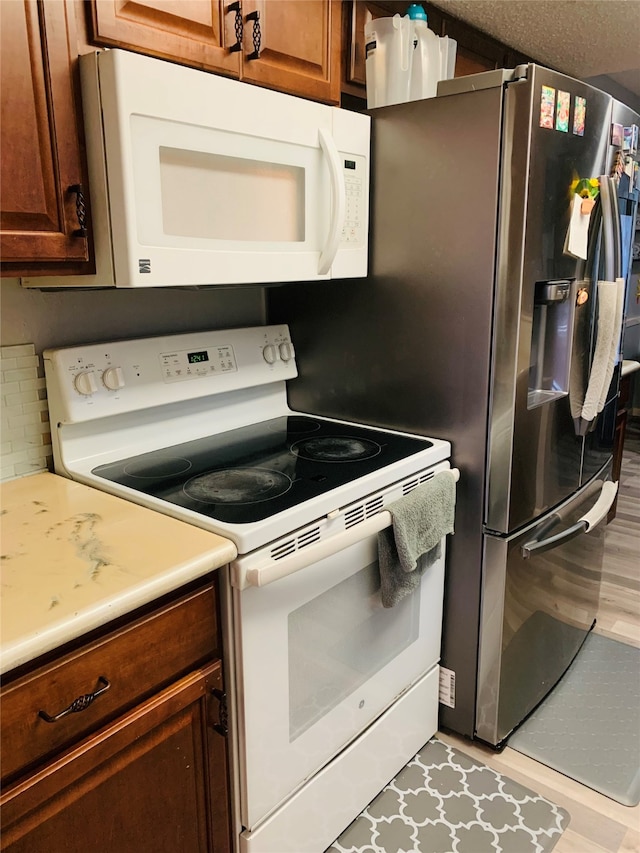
<point>79,704</point>
<point>255,17</point>
<point>81,210</point>
<point>237,25</point>
<point>223,726</point>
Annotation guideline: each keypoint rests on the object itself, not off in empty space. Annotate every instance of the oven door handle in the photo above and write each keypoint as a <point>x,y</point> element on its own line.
<point>275,570</point>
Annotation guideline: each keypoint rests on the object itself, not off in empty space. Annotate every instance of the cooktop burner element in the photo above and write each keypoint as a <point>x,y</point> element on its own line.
<point>237,486</point>
<point>335,448</point>
<point>254,472</point>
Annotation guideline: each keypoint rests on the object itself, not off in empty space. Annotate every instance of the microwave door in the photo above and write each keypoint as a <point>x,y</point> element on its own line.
<point>199,180</point>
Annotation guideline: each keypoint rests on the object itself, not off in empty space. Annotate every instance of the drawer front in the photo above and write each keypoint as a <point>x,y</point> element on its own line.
<point>135,661</point>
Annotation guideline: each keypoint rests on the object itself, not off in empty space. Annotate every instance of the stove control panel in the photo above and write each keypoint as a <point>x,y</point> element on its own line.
<point>180,365</point>
<point>99,380</point>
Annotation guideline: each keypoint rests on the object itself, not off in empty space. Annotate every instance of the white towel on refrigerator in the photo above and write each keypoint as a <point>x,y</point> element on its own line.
<point>609,326</point>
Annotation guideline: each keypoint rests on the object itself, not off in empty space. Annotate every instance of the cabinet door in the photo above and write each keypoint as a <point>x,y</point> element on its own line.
<point>476,52</point>
<point>41,160</point>
<point>191,32</point>
<point>293,47</point>
<point>361,13</point>
<point>154,780</point>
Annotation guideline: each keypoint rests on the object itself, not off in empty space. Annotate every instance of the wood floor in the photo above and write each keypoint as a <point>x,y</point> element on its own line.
<point>597,823</point>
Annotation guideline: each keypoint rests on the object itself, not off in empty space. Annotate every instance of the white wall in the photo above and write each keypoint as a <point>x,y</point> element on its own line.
<point>62,318</point>
<point>32,320</point>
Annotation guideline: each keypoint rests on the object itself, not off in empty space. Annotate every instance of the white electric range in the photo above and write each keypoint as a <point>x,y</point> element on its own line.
<point>331,692</point>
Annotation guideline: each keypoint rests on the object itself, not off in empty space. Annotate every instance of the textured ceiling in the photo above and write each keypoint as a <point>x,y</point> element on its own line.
<point>582,38</point>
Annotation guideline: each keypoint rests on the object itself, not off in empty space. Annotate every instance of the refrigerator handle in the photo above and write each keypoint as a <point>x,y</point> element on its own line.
<point>612,241</point>
<point>584,524</point>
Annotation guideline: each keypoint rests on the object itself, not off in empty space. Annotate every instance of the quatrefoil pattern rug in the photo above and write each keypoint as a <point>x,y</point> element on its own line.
<point>444,801</point>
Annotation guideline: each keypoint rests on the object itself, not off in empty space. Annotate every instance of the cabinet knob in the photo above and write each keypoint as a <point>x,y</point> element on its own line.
<point>255,17</point>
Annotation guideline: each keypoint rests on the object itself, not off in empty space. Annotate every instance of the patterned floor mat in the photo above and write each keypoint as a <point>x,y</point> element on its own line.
<point>444,801</point>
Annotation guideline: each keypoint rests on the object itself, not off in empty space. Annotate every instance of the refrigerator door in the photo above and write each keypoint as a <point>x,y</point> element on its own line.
<point>540,594</point>
<point>535,454</point>
<point>621,160</point>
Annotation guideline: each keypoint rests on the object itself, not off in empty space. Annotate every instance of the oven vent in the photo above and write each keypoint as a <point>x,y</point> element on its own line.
<point>410,485</point>
<point>354,516</point>
<point>374,506</point>
<point>308,537</point>
<point>283,549</point>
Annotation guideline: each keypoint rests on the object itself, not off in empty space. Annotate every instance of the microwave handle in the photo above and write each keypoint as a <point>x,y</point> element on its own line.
<point>338,201</point>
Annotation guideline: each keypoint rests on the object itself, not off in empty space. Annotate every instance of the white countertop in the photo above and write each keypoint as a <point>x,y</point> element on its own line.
<point>73,558</point>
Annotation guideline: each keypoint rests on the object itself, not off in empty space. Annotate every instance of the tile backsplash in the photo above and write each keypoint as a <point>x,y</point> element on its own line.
<point>25,436</point>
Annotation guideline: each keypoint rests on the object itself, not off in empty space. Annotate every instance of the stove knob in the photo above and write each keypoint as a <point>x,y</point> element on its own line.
<point>85,383</point>
<point>270,353</point>
<point>287,351</point>
<point>113,378</point>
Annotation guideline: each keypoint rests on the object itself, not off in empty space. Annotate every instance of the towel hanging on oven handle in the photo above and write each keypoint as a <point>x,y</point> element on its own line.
<point>273,570</point>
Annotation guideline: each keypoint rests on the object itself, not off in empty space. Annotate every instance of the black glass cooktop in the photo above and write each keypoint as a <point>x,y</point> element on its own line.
<point>253,472</point>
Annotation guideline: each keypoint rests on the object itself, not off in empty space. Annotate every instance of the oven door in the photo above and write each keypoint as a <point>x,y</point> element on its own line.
<point>318,659</point>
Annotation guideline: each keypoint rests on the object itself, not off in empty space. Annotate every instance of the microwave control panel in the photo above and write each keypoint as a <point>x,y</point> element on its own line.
<point>353,232</point>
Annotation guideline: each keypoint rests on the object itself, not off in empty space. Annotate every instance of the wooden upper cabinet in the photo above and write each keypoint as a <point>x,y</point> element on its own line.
<point>287,45</point>
<point>298,46</point>
<point>41,167</point>
<point>476,52</point>
<point>360,13</point>
<point>191,32</point>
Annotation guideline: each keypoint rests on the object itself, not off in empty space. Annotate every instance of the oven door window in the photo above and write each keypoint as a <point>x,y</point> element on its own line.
<point>318,660</point>
<point>341,639</point>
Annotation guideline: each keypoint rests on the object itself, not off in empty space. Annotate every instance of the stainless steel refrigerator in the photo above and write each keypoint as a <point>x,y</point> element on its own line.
<point>477,325</point>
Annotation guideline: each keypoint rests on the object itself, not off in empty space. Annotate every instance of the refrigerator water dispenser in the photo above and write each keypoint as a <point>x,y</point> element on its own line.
<point>551,336</point>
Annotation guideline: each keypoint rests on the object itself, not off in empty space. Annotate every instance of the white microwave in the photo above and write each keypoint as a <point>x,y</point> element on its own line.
<point>199,180</point>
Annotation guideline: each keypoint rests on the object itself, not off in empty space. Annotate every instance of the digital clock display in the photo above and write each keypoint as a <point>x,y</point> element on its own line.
<point>197,357</point>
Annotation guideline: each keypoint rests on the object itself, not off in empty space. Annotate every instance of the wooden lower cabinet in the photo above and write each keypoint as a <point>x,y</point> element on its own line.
<point>149,782</point>
<point>154,779</point>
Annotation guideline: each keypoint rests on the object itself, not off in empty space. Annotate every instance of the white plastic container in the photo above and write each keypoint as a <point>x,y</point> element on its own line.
<point>389,49</point>
<point>426,62</point>
<point>405,59</point>
<point>448,49</point>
